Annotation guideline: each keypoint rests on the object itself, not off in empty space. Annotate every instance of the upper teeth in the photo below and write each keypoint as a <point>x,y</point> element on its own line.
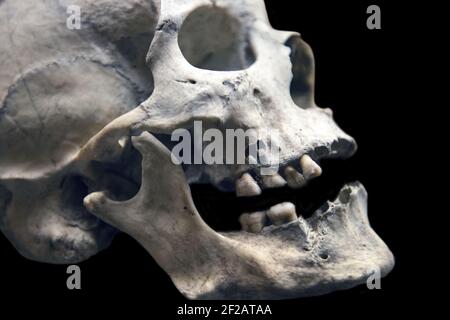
<point>246,186</point>
<point>309,167</point>
<point>274,181</point>
<point>294,178</point>
<point>281,213</point>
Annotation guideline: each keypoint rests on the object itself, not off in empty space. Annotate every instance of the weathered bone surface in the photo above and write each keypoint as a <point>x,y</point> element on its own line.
<point>335,248</point>
<point>58,88</point>
<point>71,120</point>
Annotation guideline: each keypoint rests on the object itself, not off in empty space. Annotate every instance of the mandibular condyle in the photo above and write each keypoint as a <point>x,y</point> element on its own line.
<point>98,139</point>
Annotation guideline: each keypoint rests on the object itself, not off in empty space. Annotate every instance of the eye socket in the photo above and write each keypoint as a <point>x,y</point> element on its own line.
<point>302,85</point>
<point>210,38</point>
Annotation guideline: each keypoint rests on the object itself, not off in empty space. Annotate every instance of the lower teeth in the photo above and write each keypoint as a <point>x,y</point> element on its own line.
<point>277,215</point>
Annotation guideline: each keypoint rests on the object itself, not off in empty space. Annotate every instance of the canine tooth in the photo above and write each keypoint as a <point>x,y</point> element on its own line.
<point>246,186</point>
<point>294,178</point>
<point>243,220</point>
<point>274,181</point>
<point>256,221</point>
<point>282,213</point>
<point>310,168</point>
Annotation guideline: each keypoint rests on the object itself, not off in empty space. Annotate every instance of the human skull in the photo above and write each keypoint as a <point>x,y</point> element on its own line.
<point>221,63</point>
<point>58,88</point>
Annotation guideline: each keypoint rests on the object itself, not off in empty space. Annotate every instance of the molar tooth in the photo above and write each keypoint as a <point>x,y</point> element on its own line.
<point>246,186</point>
<point>310,168</point>
<point>256,221</point>
<point>274,181</point>
<point>294,178</point>
<point>282,213</point>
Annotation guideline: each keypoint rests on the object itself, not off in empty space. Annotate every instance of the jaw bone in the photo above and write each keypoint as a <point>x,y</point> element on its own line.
<point>334,248</point>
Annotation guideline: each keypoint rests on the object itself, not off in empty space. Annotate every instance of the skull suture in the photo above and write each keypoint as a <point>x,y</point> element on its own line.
<point>218,62</point>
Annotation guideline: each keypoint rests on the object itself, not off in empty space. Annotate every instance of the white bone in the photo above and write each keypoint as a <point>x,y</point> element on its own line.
<point>66,112</point>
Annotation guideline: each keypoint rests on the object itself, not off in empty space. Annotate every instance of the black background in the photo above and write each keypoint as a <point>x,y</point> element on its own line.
<point>360,75</point>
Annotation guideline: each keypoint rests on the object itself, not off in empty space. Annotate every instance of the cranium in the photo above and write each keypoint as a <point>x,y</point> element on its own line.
<point>58,88</point>
<point>221,63</point>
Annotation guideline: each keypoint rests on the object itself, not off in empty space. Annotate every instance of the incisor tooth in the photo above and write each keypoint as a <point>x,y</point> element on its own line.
<point>309,167</point>
<point>282,213</point>
<point>246,186</point>
<point>294,178</point>
<point>273,181</point>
